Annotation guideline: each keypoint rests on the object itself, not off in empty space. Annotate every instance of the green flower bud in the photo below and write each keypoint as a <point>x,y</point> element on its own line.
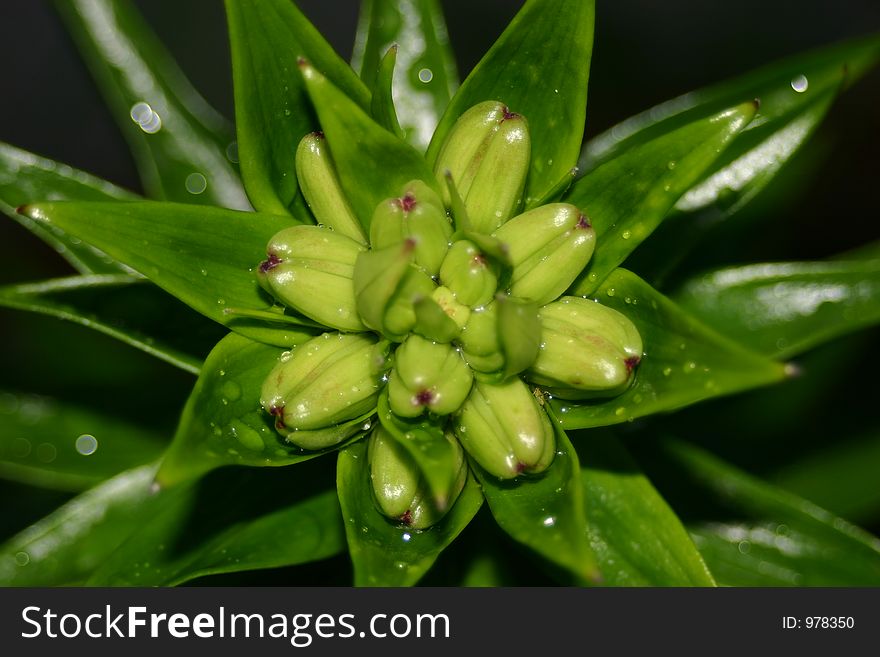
<point>427,376</point>
<point>457,312</point>
<point>399,488</point>
<point>548,247</point>
<point>467,272</point>
<point>505,430</point>
<point>488,152</point>
<point>501,338</point>
<point>320,186</point>
<point>400,316</point>
<point>418,215</point>
<point>479,340</point>
<point>327,381</point>
<point>587,350</point>
<point>310,269</point>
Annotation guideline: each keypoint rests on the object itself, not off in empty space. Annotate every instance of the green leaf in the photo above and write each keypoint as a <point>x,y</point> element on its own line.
<point>223,422</point>
<point>206,257</point>
<point>372,163</point>
<point>68,544</point>
<point>273,112</point>
<point>26,178</point>
<point>128,309</point>
<point>782,540</point>
<point>628,196</point>
<point>782,309</point>
<point>426,442</point>
<point>181,145</point>
<point>638,540</point>
<point>429,77</point>
<point>154,555</point>
<point>382,107</point>
<point>546,511</point>
<point>519,334</point>
<point>385,554</point>
<point>539,67</point>
<point>685,361</point>
<point>50,444</point>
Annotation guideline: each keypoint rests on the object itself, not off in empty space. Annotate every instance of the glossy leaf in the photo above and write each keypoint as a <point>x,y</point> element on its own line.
<point>26,178</point>
<point>628,196</point>
<point>156,555</point>
<point>113,304</point>
<point>783,540</point>
<point>182,147</point>
<point>782,309</point>
<point>426,442</point>
<point>382,106</point>
<point>546,512</point>
<point>206,257</point>
<point>427,76</point>
<point>539,67</point>
<point>50,444</point>
<point>68,544</point>
<point>223,422</point>
<point>638,540</point>
<point>385,554</point>
<point>685,361</point>
<point>373,164</point>
<point>273,112</point>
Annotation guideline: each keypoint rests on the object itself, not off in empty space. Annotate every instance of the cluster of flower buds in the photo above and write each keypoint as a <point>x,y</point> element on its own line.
<point>448,309</point>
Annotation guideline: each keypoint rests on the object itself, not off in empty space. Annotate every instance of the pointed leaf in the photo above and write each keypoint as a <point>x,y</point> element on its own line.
<point>684,362</point>
<point>637,538</point>
<point>206,257</point>
<point>273,112</point>
<point>113,304</point>
<point>426,442</point>
<point>47,443</point>
<point>372,163</point>
<point>539,67</point>
<point>782,309</point>
<point>519,334</point>
<point>181,145</point>
<point>628,196</point>
<point>385,554</point>
<point>783,541</point>
<point>427,78</point>
<point>26,178</point>
<point>546,511</point>
<point>382,107</point>
<point>223,422</point>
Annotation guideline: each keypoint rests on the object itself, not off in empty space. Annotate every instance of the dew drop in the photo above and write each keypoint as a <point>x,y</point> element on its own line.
<point>626,234</point>
<point>196,183</point>
<point>800,83</point>
<point>22,558</point>
<point>426,75</point>
<point>86,444</point>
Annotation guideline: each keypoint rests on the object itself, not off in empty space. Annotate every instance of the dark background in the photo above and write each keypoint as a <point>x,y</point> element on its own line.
<point>646,52</point>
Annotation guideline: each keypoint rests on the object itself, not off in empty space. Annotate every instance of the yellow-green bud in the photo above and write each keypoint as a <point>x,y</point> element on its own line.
<point>310,269</point>
<point>467,272</point>
<point>327,381</point>
<point>399,488</point>
<point>479,340</point>
<point>548,247</point>
<point>487,152</point>
<point>320,186</point>
<point>505,430</point>
<point>587,350</point>
<point>457,312</point>
<point>427,376</point>
<point>418,214</point>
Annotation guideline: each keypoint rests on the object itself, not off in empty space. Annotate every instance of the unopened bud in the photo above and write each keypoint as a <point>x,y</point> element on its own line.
<point>427,376</point>
<point>587,350</point>
<point>504,429</point>
<point>321,384</point>
<point>548,247</point>
<point>479,340</point>
<point>310,269</point>
<point>468,273</point>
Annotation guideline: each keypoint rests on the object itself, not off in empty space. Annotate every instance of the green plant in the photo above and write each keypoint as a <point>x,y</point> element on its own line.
<point>584,510</point>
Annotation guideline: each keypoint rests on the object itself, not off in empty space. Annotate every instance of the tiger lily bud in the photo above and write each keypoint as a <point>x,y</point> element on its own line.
<point>327,381</point>
<point>487,152</point>
<point>587,350</point>
<point>399,488</point>
<point>467,272</point>
<point>310,269</point>
<point>427,376</point>
<point>418,214</point>
<point>505,430</point>
<point>320,186</point>
<point>548,248</point>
